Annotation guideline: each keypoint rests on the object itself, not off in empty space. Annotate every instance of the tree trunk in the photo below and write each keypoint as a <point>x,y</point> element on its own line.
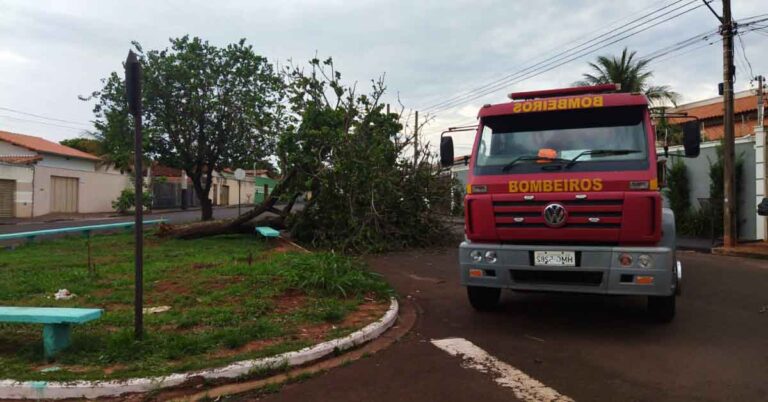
<point>206,208</point>
<point>236,225</point>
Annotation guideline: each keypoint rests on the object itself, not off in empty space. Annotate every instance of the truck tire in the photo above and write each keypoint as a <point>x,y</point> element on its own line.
<point>662,308</point>
<point>483,299</point>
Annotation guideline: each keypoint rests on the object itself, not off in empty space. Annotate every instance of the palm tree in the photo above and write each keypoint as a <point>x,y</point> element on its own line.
<point>631,74</point>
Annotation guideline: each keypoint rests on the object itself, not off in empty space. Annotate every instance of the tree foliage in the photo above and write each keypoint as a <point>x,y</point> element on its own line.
<point>349,154</point>
<point>204,108</point>
<point>631,73</point>
<point>89,145</point>
<point>678,192</point>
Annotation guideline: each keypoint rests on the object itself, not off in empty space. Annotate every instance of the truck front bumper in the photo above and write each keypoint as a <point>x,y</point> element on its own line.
<point>598,269</point>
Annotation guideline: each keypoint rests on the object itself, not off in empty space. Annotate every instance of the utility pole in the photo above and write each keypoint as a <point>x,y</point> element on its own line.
<point>729,174</point>
<point>760,137</point>
<point>133,93</point>
<point>760,101</point>
<point>416,142</point>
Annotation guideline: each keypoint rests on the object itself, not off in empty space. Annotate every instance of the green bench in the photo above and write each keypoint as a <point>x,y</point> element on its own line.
<point>267,231</point>
<point>56,322</point>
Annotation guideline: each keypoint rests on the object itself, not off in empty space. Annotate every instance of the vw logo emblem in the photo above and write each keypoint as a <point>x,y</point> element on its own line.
<point>555,215</point>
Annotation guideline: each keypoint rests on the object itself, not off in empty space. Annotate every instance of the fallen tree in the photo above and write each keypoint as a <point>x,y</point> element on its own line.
<point>353,160</point>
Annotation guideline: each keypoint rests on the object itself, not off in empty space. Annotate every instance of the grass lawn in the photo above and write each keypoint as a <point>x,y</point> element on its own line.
<point>232,297</point>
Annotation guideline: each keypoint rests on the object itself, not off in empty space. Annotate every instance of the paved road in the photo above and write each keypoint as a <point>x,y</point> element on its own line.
<point>587,348</point>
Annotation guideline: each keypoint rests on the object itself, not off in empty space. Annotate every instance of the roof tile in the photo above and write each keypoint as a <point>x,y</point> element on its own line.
<point>42,145</point>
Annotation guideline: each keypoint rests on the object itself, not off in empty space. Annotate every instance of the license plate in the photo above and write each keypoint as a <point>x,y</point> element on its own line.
<point>555,258</point>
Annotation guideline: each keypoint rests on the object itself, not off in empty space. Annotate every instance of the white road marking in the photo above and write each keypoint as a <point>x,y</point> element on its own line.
<point>525,388</point>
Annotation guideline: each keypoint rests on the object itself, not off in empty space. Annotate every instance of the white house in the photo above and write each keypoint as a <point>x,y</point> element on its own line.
<point>39,177</point>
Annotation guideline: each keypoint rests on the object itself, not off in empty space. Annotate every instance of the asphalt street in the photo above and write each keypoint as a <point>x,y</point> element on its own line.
<point>587,348</point>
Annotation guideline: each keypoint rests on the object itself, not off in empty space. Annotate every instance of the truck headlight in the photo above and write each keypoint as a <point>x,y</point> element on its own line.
<point>490,256</point>
<point>645,261</point>
<point>476,255</point>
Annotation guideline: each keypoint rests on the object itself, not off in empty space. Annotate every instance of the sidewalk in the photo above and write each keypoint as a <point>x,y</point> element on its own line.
<point>695,244</point>
<point>100,216</point>
<point>756,249</point>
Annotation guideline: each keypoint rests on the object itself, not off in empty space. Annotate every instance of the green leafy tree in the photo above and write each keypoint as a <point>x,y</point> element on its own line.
<point>89,145</point>
<point>354,164</point>
<point>347,152</point>
<point>631,73</point>
<point>205,108</point>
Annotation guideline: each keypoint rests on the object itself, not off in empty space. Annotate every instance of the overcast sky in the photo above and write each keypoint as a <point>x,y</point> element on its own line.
<point>53,51</point>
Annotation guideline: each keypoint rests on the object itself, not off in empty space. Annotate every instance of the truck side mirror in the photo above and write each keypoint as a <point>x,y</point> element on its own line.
<point>446,151</point>
<point>691,139</point>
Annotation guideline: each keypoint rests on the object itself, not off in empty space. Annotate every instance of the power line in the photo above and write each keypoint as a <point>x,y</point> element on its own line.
<point>42,122</point>
<point>558,50</point>
<point>744,55</point>
<point>41,116</point>
<point>675,47</point>
<point>670,51</point>
<point>566,59</point>
<point>545,61</point>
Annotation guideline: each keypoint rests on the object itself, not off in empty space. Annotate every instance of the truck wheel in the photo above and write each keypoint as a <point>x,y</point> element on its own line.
<point>662,308</point>
<point>483,299</point>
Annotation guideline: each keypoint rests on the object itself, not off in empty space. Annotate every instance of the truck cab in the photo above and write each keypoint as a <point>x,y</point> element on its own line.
<point>563,195</point>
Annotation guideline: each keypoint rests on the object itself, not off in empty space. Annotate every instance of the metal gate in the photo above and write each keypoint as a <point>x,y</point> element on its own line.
<point>7,189</point>
<point>64,192</point>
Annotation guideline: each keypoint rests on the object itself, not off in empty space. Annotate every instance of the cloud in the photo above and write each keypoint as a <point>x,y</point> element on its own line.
<point>430,50</point>
<point>8,56</point>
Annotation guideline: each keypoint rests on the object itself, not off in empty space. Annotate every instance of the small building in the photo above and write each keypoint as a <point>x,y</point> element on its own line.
<point>749,147</point>
<point>167,183</point>
<point>40,177</point>
<point>710,115</point>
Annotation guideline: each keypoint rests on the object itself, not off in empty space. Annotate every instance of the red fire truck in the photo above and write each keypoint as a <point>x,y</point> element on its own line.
<point>563,195</point>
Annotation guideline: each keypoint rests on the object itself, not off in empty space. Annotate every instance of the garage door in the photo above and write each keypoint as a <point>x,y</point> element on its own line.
<point>7,189</point>
<point>224,198</point>
<point>64,194</point>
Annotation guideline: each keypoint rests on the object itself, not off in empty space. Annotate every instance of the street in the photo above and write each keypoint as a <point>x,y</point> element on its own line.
<point>587,348</point>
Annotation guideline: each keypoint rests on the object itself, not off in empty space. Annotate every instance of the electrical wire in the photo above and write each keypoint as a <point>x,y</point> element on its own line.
<point>744,55</point>
<point>42,122</point>
<point>39,116</point>
<point>559,51</point>
<point>563,60</point>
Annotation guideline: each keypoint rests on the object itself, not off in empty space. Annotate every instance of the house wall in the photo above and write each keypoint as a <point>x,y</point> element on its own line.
<point>6,148</point>
<point>698,177</point>
<point>23,176</point>
<point>246,191</point>
<point>96,190</point>
<point>55,161</point>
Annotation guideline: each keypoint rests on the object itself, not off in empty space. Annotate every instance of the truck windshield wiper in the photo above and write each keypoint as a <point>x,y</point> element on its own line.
<point>523,158</point>
<point>601,152</point>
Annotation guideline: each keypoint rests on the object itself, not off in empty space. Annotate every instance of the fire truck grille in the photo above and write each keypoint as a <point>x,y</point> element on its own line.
<point>582,214</point>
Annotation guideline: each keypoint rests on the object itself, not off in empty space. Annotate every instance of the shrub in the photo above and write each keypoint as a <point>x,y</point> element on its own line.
<point>678,191</point>
<point>330,275</point>
<point>125,202</point>
<point>716,188</point>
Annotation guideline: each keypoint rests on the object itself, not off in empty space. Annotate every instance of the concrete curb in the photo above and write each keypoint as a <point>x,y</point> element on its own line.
<point>12,389</point>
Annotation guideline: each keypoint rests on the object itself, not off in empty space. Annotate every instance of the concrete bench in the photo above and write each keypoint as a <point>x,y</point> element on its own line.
<point>267,231</point>
<point>56,322</point>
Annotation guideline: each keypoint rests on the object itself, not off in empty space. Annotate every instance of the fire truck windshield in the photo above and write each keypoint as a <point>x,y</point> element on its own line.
<point>601,139</point>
